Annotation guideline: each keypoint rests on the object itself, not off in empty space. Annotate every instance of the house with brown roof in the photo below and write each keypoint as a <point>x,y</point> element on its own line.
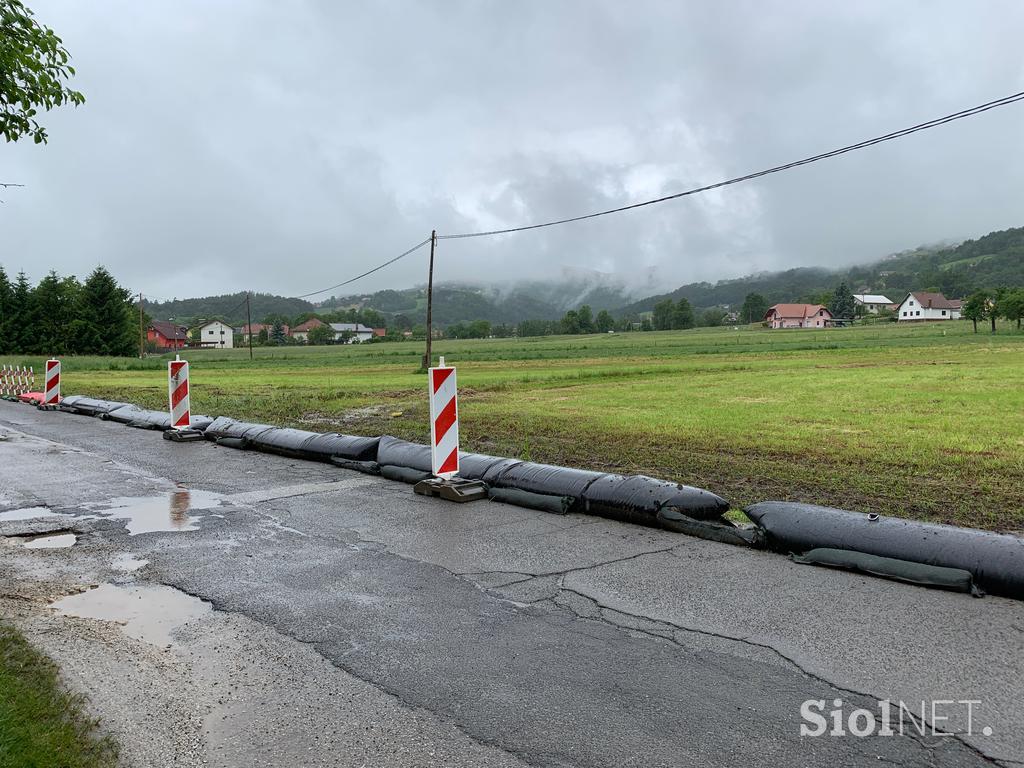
<point>255,329</point>
<point>301,332</point>
<point>167,335</point>
<point>924,305</point>
<point>798,316</point>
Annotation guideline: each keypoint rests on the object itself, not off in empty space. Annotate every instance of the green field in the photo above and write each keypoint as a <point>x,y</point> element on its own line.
<point>925,421</point>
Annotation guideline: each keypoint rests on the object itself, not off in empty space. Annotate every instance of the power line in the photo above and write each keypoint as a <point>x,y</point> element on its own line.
<point>807,160</point>
<point>369,272</point>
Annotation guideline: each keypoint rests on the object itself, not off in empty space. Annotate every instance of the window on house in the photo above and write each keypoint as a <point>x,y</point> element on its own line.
<point>911,302</point>
<point>918,312</point>
<point>943,312</point>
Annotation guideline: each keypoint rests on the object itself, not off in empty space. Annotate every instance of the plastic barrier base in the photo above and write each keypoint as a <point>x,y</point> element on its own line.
<point>183,435</point>
<point>48,407</point>
<point>456,489</point>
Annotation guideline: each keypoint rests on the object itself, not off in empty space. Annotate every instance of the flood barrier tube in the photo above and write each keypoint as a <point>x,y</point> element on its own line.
<point>366,467</point>
<point>558,505</point>
<point>233,442</point>
<point>955,579</point>
<point>548,479</point>
<point>401,453</point>
<point>996,560</point>
<point>638,499</point>
<point>89,406</point>
<point>720,530</point>
<point>222,426</point>
<point>403,474</point>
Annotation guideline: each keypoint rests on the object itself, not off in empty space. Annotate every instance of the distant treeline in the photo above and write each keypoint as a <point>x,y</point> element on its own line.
<point>61,316</point>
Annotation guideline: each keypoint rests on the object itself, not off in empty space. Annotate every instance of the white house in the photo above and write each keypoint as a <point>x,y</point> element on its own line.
<point>356,332</point>
<point>216,335</point>
<point>922,305</point>
<point>872,302</point>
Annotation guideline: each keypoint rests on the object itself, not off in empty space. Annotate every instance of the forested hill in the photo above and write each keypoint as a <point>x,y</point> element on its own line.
<point>229,307</point>
<point>991,261</point>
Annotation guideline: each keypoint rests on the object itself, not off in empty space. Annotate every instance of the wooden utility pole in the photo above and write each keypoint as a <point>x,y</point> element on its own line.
<point>142,334</point>
<point>428,358</point>
<point>248,320</point>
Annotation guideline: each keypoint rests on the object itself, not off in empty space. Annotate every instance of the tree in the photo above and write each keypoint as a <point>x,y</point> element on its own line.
<point>277,334</point>
<point>842,306</point>
<point>321,334</point>
<point>20,331</point>
<point>976,307</point>
<point>7,317</point>
<point>682,316</point>
<point>262,336</point>
<point>586,316</point>
<point>646,324</point>
<point>571,322</point>
<point>1011,306</point>
<point>712,318</point>
<point>53,306</point>
<point>754,308</point>
<point>33,73</point>
<point>604,322</point>
<point>104,322</point>
<point>662,316</point>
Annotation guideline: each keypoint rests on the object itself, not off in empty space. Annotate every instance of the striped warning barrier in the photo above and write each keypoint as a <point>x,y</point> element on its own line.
<point>444,421</point>
<point>51,383</point>
<point>177,388</point>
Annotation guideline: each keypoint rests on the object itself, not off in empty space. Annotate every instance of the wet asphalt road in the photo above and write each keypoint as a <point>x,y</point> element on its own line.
<point>527,638</point>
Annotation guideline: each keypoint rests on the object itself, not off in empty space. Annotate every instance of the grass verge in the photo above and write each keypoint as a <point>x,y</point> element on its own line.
<point>42,725</point>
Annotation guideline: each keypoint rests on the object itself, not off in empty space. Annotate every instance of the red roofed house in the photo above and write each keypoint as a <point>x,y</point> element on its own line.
<point>257,327</point>
<point>798,316</point>
<point>922,305</point>
<point>301,332</point>
<point>167,335</point>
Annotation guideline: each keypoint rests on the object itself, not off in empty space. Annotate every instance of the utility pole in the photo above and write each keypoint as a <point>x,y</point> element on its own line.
<point>142,334</point>
<point>248,320</point>
<point>428,358</point>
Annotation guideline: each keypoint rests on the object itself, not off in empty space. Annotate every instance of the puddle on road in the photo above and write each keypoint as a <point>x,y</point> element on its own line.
<point>146,612</point>
<point>49,541</point>
<point>166,512</point>
<point>28,513</point>
<point>126,562</point>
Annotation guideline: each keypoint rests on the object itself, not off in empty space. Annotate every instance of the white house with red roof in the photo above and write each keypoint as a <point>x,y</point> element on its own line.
<point>924,305</point>
<point>798,316</point>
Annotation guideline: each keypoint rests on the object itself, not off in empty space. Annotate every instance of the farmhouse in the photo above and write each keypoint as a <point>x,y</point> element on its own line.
<point>798,316</point>
<point>301,332</point>
<point>217,335</point>
<point>352,332</point>
<point>872,302</point>
<point>166,335</point>
<point>922,305</point>
<point>256,328</point>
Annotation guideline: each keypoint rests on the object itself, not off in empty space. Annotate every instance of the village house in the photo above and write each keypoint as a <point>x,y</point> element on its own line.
<point>301,332</point>
<point>167,335</point>
<point>923,305</point>
<point>255,329</point>
<point>798,316</point>
<point>352,332</point>
<point>216,335</point>
<point>872,302</point>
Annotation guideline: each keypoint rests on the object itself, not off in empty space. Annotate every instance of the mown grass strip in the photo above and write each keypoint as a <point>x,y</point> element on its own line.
<point>42,725</point>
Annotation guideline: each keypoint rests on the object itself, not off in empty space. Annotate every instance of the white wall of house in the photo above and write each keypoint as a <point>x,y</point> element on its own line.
<point>911,309</point>
<point>216,334</point>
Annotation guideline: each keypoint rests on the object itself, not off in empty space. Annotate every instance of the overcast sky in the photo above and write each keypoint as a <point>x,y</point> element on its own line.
<point>285,146</point>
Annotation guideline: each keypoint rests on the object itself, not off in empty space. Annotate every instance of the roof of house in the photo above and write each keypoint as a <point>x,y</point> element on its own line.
<point>257,327</point>
<point>872,298</point>
<point>351,327</point>
<point>308,325</point>
<point>169,330</point>
<point>933,300</point>
<point>800,311</point>
<point>381,332</point>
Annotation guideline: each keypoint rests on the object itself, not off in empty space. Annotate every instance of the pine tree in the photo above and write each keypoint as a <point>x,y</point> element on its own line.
<point>842,306</point>
<point>682,316</point>
<point>6,312</point>
<point>20,330</point>
<point>52,315</point>
<point>105,322</point>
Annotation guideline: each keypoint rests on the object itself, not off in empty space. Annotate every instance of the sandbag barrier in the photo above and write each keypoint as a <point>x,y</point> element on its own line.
<point>927,554</point>
<point>994,560</point>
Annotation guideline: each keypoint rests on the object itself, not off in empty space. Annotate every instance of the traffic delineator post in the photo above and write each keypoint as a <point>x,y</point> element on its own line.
<point>180,400</point>
<point>51,386</point>
<point>444,440</point>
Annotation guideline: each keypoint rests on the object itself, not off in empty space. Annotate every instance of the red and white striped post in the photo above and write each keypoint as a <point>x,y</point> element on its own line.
<point>177,391</point>
<point>444,422</point>
<point>51,384</point>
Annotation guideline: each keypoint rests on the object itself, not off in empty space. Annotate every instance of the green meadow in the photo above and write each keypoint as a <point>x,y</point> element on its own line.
<point>925,421</point>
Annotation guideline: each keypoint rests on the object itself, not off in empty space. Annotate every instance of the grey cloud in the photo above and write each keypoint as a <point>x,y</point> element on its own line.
<point>285,147</point>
